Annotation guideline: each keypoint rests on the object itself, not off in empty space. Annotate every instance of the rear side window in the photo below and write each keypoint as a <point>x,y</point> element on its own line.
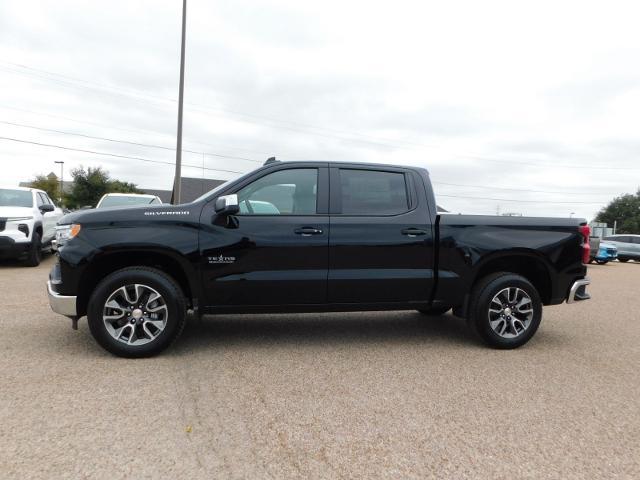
<point>636,240</point>
<point>373,192</point>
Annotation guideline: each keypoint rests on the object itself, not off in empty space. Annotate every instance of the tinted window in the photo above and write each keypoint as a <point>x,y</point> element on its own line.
<point>15,198</point>
<point>49,201</point>
<point>370,192</point>
<point>286,192</point>
<point>125,201</point>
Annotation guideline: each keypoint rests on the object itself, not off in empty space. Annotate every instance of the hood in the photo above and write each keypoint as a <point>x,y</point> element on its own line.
<point>117,214</point>
<point>6,212</point>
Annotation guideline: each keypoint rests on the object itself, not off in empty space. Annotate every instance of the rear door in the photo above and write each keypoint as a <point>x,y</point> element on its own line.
<point>381,243</point>
<point>275,250</point>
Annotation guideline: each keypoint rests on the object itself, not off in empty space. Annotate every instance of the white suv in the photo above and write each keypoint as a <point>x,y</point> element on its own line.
<point>28,220</point>
<point>628,246</point>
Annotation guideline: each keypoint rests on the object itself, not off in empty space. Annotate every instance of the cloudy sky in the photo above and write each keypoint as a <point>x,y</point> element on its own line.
<point>529,107</point>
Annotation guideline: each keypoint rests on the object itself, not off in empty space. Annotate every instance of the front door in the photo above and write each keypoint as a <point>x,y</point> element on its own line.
<point>275,250</point>
<point>381,245</point>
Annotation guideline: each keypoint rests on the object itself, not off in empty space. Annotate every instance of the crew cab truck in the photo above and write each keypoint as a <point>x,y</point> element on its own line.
<point>312,237</point>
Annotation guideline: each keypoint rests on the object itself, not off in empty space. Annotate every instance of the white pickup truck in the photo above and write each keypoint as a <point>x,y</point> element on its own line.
<point>28,220</point>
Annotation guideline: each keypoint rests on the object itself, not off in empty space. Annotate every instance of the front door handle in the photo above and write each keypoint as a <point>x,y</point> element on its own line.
<point>413,232</point>
<point>307,231</point>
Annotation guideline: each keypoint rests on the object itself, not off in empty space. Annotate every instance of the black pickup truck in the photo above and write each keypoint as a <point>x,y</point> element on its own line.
<point>312,237</point>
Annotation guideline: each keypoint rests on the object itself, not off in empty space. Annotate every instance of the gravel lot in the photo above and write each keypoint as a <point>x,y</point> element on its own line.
<point>378,395</point>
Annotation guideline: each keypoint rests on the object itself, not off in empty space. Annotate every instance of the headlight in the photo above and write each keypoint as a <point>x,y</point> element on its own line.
<point>66,232</point>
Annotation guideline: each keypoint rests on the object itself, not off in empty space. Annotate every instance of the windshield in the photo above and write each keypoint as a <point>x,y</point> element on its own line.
<point>15,198</point>
<point>124,201</point>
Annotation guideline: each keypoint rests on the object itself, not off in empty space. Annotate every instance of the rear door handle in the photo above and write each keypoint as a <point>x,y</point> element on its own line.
<point>413,232</point>
<point>307,231</point>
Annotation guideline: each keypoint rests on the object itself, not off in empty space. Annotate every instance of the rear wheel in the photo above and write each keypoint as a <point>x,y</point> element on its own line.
<point>34,255</point>
<point>136,312</point>
<point>602,262</point>
<point>623,260</point>
<point>505,310</point>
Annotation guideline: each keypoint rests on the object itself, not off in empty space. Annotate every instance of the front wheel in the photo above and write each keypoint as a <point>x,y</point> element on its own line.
<point>34,255</point>
<point>602,262</point>
<point>136,312</point>
<point>623,260</point>
<point>505,310</point>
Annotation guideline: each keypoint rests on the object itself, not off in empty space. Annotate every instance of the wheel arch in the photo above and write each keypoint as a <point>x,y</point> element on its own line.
<point>528,264</point>
<point>167,261</point>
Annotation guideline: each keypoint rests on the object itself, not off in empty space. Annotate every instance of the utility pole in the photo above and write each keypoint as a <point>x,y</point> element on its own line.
<point>61,178</point>
<point>178,175</point>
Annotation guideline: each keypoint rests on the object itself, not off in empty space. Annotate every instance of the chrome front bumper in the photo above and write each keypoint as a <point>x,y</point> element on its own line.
<point>578,290</point>
<point>62,304</point>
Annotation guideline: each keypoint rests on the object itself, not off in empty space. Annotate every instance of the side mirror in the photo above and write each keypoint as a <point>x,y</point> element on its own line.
<point>47,207</point>
<point>227,205</point>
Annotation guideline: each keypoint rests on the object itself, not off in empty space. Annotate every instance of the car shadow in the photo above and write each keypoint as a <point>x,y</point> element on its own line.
<point>323,329</point>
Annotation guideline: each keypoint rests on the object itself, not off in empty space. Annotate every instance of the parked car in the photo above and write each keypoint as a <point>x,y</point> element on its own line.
<point>628,246</point>
<point>325,237</point>
<point>606,252</point>
<point>28,219</point>
<point>127,200</point>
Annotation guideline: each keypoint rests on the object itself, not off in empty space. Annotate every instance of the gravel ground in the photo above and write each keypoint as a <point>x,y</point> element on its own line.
<point>358,395</point>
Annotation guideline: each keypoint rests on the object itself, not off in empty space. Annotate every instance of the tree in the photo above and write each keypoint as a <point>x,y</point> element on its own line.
<point>91,184</point>
<point>624,210</point>
<point>49,184</point>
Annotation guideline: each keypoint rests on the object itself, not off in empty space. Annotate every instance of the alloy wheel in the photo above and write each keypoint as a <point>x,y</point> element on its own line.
<point>510,312</point>
<point>135,314</point>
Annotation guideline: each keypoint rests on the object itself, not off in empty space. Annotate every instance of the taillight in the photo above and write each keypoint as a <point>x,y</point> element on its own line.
<point>586,248</point>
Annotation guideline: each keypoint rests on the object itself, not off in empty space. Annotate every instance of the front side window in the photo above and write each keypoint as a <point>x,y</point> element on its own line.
<point>15,198</point>
<point>285,192</point>
<point>40,200</point>
<point>372,192</point>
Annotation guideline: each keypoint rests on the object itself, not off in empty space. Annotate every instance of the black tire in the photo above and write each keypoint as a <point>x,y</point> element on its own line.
<point>482,296</point>
<point>623,260</point>
<point>435,311</point>
<point>602,262</point>
<point>171,295</point>
<point>34,255</point>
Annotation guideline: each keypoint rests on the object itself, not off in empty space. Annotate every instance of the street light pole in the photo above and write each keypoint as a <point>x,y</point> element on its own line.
<point>178,174</point>
<point>61,178</point>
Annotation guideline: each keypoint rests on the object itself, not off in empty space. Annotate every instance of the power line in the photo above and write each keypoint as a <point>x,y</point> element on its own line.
<point>93,152</point>
<point>63,132</point>
<point>148,145</point>
<point>518,189</point>
<point>140,96</point>
<point>519,201</point>
<point>133,130</point>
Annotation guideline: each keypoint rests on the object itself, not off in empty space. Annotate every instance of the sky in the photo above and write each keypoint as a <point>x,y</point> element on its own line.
<point>527,107</point>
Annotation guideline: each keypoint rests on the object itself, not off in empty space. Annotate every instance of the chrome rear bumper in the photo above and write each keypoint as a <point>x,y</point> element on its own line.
<point>578,290</point>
